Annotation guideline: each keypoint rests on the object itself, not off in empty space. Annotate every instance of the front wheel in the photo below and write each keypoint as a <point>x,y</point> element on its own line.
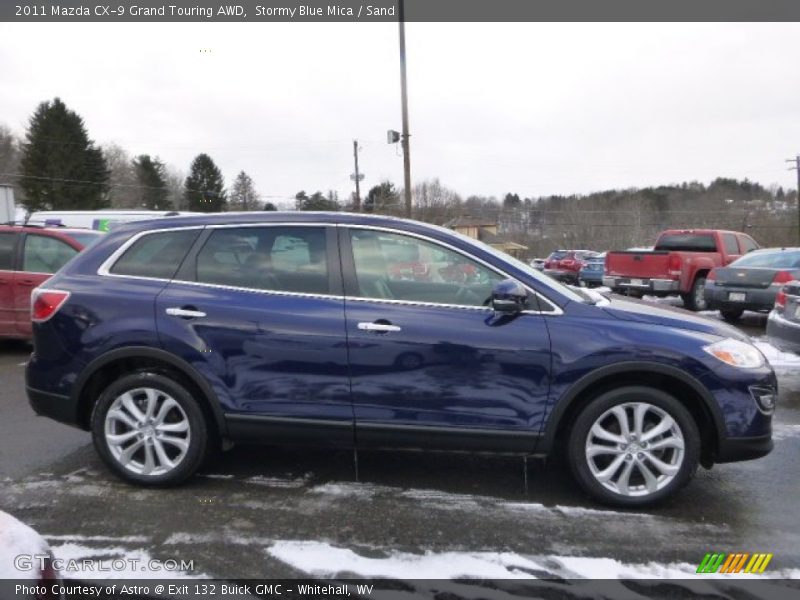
<point>149,429</point>
<point>696,298</point>
<point>633,446</point>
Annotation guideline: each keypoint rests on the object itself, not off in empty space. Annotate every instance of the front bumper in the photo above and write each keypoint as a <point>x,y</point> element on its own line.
<point>718,298</point>
<point>746,448</point>
<point>54,406</point>
<point>782,333</point>
<point>644,285</point>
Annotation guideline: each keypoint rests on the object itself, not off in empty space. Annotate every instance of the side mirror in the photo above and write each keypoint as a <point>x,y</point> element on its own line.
<point>509,297</point>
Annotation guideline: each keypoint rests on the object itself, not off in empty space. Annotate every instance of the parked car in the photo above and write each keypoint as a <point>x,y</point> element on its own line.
<point>591,275</point>
<point>28,257</point>
<point>678,264</point>
<point>783,324</point>
<point>25,559</point>
<point>564,265</point>
<point>537,263</point>
<point>160,345</point>
<point>98,220</point>
<point>751,282</point>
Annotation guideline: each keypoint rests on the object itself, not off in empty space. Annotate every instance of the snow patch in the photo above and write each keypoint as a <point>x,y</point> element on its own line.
<point>325,560</point>
<point>277,482</point>
<point>17,538</point>
<point>781,431</point>
<point>775,357</point>
<point>114,563</point>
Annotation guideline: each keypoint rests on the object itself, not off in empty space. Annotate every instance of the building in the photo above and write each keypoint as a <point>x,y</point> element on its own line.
<point>485,230</point>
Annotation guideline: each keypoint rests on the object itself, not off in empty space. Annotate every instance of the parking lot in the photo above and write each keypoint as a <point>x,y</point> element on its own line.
<point>273,512</point>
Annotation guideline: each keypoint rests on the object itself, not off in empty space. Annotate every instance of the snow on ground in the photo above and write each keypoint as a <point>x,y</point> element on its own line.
<point>325,560</point>
<point>776,358</point>
<point>80,558</point>
<point>16,539</point>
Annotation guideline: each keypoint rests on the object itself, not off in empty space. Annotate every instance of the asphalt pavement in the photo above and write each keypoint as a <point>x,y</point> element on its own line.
<point>261,511</point>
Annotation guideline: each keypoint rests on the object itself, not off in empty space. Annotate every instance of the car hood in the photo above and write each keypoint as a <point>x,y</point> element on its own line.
<point>668,316</point>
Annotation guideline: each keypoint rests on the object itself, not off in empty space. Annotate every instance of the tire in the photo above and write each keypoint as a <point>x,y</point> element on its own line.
<point>695,300</point>
<point>731,316</point>
<point>598,476</point>
<point>175,437</point>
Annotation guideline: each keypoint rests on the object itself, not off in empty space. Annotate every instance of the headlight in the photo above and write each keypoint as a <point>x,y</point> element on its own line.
<point>736,353</point>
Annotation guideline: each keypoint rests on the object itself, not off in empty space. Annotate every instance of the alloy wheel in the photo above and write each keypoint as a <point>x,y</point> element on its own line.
<point>147,432</point>
<point>635,449</point>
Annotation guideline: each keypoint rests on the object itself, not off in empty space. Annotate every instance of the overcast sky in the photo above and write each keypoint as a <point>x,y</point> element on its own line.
<point>528,108</point>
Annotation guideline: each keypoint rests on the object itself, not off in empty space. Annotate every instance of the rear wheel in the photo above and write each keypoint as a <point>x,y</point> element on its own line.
<point>696,298</point>
<point>149,429</point>
<point>731,315</point>
<point>633,446</point>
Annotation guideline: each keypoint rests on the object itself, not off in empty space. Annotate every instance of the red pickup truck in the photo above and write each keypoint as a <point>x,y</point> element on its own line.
<point>678,264</point>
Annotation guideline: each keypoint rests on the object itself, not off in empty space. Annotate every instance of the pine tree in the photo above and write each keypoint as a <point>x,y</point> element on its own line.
<point>152,181</point>
<point>204,188</point>
<point>243,194</point>
<point>61,167</point>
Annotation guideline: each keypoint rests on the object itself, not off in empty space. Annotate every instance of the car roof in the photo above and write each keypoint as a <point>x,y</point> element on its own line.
<point>247,217</point>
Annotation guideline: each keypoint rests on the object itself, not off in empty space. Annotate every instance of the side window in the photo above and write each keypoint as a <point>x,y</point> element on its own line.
<point>283,259</point>
<point>731,245</point>
<point>45,254</point>
<point>397,267</point>
<point>7,242</point>
<point>748,244</point>
<point>156,255</point>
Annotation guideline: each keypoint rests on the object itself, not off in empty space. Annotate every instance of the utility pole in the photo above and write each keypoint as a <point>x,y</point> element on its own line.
<point>357,177</point>
<point>404,102</point>
<point>796,167</point>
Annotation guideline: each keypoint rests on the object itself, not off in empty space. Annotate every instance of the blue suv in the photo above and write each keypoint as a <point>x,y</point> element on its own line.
<point>169,339</point>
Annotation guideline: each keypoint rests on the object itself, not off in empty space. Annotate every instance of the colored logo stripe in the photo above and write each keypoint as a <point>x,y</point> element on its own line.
<point>719,562</point>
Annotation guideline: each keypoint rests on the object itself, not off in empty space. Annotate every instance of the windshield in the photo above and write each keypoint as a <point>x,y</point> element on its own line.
<point>771,259</point>
<point>528,270</point>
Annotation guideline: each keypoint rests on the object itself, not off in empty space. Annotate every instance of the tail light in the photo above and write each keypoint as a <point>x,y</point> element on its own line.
<point>45,303</point>
<point>782,277</point>
<point>780,299</point>
<point>674,265</point>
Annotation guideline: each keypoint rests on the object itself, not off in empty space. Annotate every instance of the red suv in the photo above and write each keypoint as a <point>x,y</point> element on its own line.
<point>565,265</point>
<point>28,257</point>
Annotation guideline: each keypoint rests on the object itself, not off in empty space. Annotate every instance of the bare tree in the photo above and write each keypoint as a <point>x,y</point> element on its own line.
<point>243,194</point>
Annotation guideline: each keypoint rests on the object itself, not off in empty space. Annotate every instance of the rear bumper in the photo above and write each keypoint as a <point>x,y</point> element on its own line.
<point>745,448</point>
<point>645,285</point>
<point>561,275</point>
<point>754,299</point>
<point>783,334</point>
<point>54,406</point>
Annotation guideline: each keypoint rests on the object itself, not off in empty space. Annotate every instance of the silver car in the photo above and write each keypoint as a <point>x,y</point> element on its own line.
<point>751,282</point>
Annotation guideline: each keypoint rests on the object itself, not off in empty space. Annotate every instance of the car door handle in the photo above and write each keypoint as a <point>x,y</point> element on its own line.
<point>378,327</point>
<point>185,313</point>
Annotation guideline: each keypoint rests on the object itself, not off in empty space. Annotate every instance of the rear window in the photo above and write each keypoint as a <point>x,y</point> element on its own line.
<point>557,255</point>
<point>784,259</point>
<point>688,242</point>
<point>156,255</point>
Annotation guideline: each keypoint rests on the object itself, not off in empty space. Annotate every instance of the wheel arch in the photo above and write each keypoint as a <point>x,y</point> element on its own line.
<point>102,370</point>
<point>686,389</point>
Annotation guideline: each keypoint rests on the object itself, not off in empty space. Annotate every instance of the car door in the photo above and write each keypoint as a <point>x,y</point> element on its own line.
<point>430,364</point>
<point>260,309</point>
<point>42,255</point>
<point>8,316</point>
<point>731,245</point>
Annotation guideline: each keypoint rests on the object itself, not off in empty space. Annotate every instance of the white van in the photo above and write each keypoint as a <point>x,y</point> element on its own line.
<point>99,220</point>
